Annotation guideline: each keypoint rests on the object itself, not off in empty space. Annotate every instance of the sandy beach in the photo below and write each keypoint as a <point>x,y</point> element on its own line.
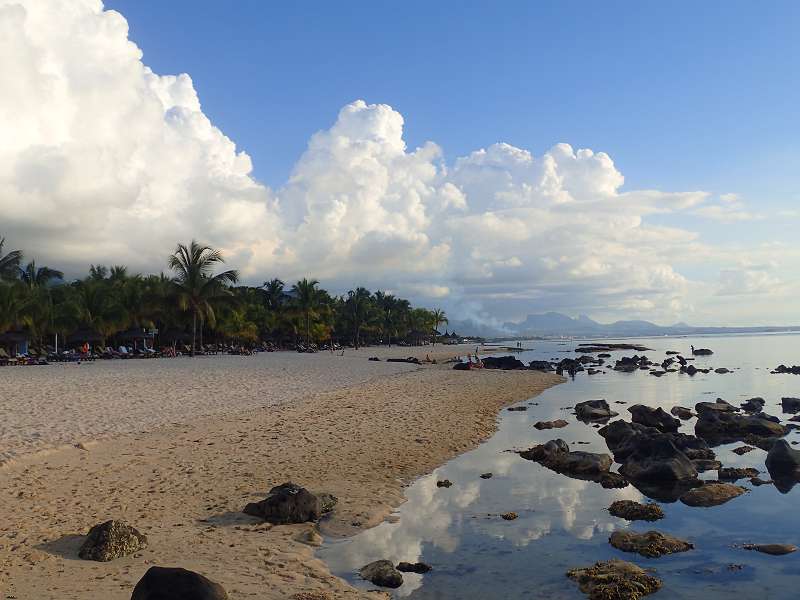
<point>177,447</point>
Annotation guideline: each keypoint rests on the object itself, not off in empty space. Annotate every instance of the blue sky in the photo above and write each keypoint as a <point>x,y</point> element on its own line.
<point>682,95</point>
<point>695,103</point>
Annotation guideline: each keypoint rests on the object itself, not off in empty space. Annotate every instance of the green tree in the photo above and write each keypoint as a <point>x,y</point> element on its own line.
<point>198,288</point>
<point>359,310</point>
<point>9,263</point>
<point>34,277</point>
<point>438,318</point>
<point>307,300</point>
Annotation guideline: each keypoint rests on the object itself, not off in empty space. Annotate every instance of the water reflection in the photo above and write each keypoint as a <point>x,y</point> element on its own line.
<point>564,522</point>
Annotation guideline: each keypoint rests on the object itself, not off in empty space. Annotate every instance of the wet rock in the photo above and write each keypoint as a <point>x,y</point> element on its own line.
<point>286,503</point>
<point>518,409</point>
<point>712,494</point>
<point>682,413</point>
<point>725,427</point>
<point>509,516</point>
<point>783,461</point>
<point>417,567</point>
<point>702,352</point>
<point>444,483</point>
<point>634,511</point>
<point>657,459</point>
<point>736,473</point>
<point>790,405</point>
<point>623,438</point>
<point>612,480</point>
<point>557,424</point>
<point>704,465</point>
<point>721,371</point>
<point>163,583</point>
<point>757,481</point>
<point>506,363</point>
<point>110,540</point>
<point>654,417</point>
<point>742,450</point>
<point>773,549</point>
<point>753,405</point>
<point>486,475</point>
<point>556,455</point>
<point>794,370</point>
<point>382,573</point>
<point>615,580</point>
<point>594,410</point>
<point>540,365</point>
<point>651,544</point>
<point>570,365</point>
<point>718,406</point>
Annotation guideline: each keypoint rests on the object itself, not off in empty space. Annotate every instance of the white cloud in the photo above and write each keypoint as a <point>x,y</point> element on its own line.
<point>103,160</point>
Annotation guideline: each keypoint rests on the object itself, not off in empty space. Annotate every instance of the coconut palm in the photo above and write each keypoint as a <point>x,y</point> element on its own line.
<point>198,288</point>
<point>9,263</point>
<point>274,293</point>
<point>13,306</point>
<point>438,317</point>
<point>359,310</point>
<point>34,277</point>
<point>307,299</point>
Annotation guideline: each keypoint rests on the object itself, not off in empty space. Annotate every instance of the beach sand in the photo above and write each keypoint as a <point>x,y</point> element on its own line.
<point>179,464</point>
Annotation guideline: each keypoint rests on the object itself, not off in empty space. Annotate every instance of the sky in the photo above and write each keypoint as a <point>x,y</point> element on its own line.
<point>616,159</point>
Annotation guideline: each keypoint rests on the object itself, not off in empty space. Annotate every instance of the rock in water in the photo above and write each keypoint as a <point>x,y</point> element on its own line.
<point>594,410</point>
<point>557,456</point>
<point>654,417</point>
<point>634,511</point>
<point>790,405</point>
<point>657,459</point>
<point>773,549</point>
<point>382,573</point>
<point>783,461</point>
<point>162,583</point>
<point>286,503</point>
<point>615,580</point>
<point>712,494</point>
<point>444,483</point>
<point>736,473</point>
<point>417,567</point>
<point>651,544</point>
<point>110,540</point>
<point>682,413</point>
<point>557,424</point>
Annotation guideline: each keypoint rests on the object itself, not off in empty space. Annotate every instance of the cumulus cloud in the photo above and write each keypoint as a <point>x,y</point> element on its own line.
<point>104,160</point>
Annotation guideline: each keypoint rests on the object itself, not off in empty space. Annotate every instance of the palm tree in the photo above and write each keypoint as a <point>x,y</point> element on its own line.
<point>438,317</point>
<point>34,277</point>
<point>9,263</point>
<point>198,288</point>
<point>98,272</point>
<point>274,293</point>
<point>98,307</point>
<point>307,300</point>
<point>13,306</point>
<point>359,309</point>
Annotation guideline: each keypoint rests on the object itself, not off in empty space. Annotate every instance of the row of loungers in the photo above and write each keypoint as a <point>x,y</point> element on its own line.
<point>109,353</point>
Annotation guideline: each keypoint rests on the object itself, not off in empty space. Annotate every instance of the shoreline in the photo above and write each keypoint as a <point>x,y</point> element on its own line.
<point>184,485</point>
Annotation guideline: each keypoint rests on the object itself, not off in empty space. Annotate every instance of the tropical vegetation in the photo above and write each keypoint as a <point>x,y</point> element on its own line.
<point>197,302</point>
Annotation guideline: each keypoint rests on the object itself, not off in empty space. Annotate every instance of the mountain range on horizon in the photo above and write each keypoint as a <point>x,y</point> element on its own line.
<point>555,324</point>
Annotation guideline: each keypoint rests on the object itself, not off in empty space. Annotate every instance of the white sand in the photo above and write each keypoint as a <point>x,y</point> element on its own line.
<point>185,486</point>
<point>65,404</point>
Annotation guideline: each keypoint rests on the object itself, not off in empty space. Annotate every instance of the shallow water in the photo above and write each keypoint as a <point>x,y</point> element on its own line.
<point>564,523</point>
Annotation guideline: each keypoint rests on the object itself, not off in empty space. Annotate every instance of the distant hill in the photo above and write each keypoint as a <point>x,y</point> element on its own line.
<point>554,324</point>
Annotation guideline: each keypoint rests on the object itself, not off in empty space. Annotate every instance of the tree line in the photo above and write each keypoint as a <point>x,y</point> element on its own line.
<point>200,302</point>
